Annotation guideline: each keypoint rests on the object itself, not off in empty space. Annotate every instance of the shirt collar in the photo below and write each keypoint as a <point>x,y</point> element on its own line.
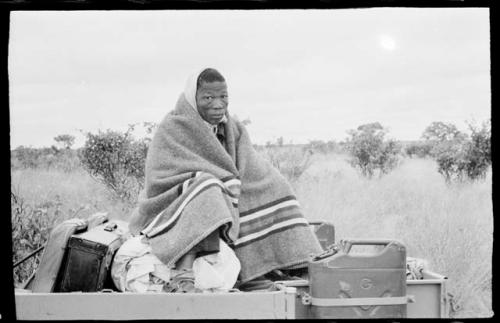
<point>213,127</point>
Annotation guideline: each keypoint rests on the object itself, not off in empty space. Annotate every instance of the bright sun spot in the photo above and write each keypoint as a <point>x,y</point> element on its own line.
<point>387,42</point>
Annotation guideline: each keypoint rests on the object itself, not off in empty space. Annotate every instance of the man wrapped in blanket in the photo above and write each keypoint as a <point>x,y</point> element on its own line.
<point>205,182</point>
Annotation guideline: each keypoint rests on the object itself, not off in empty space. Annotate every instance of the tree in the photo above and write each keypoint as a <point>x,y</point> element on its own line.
<point>331,146</point>
<point>460,157</point>
<point>117,160</point>
<point>419,149</point>
<point>246,122</point>
<point>66,141</point>
<point>440,131</point>
<point>369,151</point>
<point>451,159</point>
<point>291,162</point>
<point>447,144</point>
<point>317,146</point>
<point>478,151</point>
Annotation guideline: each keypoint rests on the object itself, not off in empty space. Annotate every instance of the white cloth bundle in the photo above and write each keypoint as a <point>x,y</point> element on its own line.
<point>218,271</point>
<point>415,268</point>
<point>136,269</point>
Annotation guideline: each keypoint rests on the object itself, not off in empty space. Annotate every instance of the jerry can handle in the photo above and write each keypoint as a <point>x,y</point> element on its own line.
<point>330,251</point>
<point>111,227</point>
<point>347,244</point>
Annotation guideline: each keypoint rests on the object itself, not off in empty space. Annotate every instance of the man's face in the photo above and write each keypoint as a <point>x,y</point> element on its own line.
<point>211,99</point>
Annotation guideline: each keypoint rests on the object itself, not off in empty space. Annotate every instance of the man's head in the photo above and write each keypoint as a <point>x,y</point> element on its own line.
<point>211,96</point>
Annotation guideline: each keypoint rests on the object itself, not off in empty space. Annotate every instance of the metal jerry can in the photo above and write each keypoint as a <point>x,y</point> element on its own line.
<point>350,285</point>
<point>89,257</point>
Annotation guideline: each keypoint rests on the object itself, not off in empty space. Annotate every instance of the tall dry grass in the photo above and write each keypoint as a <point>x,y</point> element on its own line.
<point>449,225</point>
<point>79,194</point>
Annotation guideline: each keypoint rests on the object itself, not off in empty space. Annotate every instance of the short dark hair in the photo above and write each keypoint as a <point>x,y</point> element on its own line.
<point>209,75</point>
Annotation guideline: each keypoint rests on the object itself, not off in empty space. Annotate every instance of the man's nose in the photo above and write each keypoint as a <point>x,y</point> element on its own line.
<point>218,104</point>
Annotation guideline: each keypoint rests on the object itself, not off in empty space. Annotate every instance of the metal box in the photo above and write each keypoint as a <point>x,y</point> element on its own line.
<point>430,296</point>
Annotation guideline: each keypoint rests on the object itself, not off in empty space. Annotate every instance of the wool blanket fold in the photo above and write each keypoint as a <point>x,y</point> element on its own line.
<point>195,186</point>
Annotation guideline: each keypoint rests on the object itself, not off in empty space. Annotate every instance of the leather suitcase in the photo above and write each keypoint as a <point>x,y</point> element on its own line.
<point>47,276</point>
<point>89,258</point>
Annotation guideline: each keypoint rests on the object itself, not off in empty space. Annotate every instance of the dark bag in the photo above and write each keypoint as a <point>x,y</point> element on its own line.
<point>89,258</point>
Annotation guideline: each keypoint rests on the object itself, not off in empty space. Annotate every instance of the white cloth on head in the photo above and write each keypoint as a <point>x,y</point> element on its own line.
<point>191,87</point>
<point>190,94</point>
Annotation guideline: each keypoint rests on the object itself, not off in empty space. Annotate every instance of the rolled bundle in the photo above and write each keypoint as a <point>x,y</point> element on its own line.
<point>136,269</point>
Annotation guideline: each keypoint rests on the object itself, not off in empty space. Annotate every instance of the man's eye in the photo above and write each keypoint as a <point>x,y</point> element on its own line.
<point>209,98</point>
<point>224,96</point>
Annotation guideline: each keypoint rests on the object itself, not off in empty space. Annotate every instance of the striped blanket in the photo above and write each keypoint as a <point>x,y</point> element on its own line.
<point>195,186</point>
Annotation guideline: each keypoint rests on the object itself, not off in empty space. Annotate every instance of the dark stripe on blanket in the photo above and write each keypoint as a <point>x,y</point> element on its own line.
<point>265,206</point>
<point>181,185</point>
<point>224,232</point>
<point>272,232</point>
<point>270,218</point>
<point>265,225</point>
<point>228,192</point>
<point>228,178</point>
<point>273,214</point>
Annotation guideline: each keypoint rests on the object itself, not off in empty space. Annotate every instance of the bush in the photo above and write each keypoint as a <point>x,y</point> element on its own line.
<point>28,157</point>
<point>419,149</point>
<point>291,162</point>
<point>370,152</point>
<point>460,157</point>
<point>117,160</point>
<point>319,146</point>
<point>478,151</point>
<point>31,225</point>
<point>44,158</point>
<point>66,141</point>
<point>451,159</point>
<point>439,131</point>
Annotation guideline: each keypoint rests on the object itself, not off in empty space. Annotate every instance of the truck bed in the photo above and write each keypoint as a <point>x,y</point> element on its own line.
<point>429,295</point>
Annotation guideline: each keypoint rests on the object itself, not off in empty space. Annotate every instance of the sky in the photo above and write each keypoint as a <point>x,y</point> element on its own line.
<point>298,74</point>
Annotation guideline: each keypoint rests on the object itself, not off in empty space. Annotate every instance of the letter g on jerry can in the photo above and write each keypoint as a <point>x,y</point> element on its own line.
<point>343,284</point>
